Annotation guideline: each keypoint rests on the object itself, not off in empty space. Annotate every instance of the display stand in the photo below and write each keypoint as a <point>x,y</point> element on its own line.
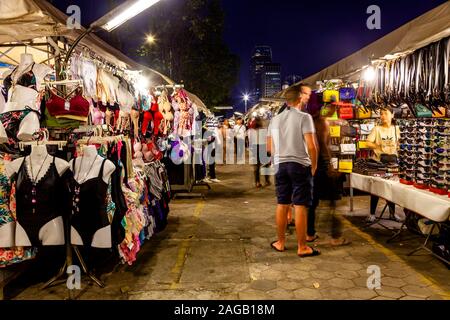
<point>69,262</point>
<point>425,247</point>
<point>190,182</point>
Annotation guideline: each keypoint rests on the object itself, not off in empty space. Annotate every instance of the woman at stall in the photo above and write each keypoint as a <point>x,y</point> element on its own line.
<point>383,140</point>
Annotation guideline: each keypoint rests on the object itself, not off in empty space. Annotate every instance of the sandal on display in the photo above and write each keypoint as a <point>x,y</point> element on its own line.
<point>314,253</point>
<point>275,248</point>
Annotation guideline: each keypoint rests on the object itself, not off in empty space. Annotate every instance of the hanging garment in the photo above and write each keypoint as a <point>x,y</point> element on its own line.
<point>98,116</point>
<point>89,213</point>
<point>117,195</point>
<point>11,122</point>
<point>24,90</point>
<point>147,120</point>
<point>2,99</point>
<point>76,106</point>
<point>6,218</point>
<point>27,79</point>
<point>9,256</point>
<point>89,75</point>
<point>41,203</point>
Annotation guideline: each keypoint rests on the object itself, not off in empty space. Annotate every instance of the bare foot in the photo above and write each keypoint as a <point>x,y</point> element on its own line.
<point>340,242</point>
<point>278,246</point>
<point>308,252</point>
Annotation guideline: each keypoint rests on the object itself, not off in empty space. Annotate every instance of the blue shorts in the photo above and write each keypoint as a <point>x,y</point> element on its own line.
<point>294,184</point>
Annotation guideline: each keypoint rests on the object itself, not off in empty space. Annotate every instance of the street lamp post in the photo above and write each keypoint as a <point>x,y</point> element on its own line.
<point>246,97</point>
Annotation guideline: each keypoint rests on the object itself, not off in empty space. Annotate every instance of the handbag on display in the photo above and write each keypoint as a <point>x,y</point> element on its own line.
<point>366,128</point>
<point>363,113</point>
<point>422,111</point>
<point>440,112</point>
<point>335,131</point>
<point>345,165</point>
<point>348,148</point>
<point>349,131</point>
<point>388,158</point>
<point>327,110</point>
<point>346,110</point>
<point>331,96</point>
<point>347,93</point>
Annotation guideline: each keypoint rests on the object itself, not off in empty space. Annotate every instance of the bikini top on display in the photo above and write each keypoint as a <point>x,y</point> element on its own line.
<point>98,117</point>
<point>27,79</point>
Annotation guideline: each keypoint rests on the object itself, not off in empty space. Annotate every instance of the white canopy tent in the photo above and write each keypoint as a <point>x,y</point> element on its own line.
<point>430,27</point>
<point>32,25</point>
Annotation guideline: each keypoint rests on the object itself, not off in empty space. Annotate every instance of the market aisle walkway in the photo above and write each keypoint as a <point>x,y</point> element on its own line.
<point>219,249</point>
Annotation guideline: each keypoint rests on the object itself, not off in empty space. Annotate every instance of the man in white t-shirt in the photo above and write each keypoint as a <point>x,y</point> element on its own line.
<point>291,141</point>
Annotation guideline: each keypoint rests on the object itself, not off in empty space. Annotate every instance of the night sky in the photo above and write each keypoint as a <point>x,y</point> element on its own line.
<point>306,36</point>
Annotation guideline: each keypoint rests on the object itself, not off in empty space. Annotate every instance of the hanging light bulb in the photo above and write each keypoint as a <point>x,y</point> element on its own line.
<point>369,74</point>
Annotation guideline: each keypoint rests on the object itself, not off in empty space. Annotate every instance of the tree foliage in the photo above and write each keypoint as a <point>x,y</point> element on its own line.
<point>190,48</point>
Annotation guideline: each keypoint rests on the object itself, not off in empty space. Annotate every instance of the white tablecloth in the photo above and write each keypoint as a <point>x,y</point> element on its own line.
<point>423,202</point>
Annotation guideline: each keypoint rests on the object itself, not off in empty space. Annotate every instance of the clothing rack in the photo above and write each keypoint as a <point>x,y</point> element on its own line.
<point>174,86</point>
<point>100,140</point>
<point>63,82</point>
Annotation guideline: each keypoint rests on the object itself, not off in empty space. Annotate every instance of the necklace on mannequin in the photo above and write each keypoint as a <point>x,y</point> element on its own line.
<point>76,198</point>
<point>34,182</point>
<point>88,172</point>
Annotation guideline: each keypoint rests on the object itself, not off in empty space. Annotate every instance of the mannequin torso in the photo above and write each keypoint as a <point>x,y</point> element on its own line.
<point>90,224</point>
<point>37,156</point>
<point>39,191</point>
<point>90,157</point>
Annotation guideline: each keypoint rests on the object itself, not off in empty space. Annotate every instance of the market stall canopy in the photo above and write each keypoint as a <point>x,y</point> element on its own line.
<point>36,20</point>
<point>425,29</point>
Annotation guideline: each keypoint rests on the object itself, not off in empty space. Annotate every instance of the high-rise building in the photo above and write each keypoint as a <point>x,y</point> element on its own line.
<point>292,79</point>
<point>262,55</point>
<point>271,79</point>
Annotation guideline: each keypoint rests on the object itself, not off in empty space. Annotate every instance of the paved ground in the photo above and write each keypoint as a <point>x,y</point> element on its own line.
<point>219,249</point>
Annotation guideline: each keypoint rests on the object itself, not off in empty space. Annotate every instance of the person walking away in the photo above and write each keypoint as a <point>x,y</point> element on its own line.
<point>240,133</point>
<point>327,182</point>
<point>258,146</point>
<point>383,140</point>
<point>228,136</point>
<point>214,139</point>
<point>292,144</point>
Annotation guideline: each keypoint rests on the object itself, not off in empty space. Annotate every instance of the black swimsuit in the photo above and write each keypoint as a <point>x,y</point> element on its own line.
<point>89,206</point>
<point>51,193</point>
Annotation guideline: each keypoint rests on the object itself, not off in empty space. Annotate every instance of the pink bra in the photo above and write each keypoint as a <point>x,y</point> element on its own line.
<point>98,117</point>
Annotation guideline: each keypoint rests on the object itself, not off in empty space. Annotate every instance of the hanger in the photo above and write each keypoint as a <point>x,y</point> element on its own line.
<point>60,144</point>
<point>51,85</point>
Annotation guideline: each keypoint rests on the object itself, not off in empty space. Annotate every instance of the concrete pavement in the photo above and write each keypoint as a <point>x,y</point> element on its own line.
<point>219,248</point>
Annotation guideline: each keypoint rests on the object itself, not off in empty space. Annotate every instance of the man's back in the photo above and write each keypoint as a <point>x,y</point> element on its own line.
<point>287,130</point>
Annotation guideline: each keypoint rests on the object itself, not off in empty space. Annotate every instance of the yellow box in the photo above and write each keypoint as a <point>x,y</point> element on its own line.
<point>335,131</point>
<point>346,165</point>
